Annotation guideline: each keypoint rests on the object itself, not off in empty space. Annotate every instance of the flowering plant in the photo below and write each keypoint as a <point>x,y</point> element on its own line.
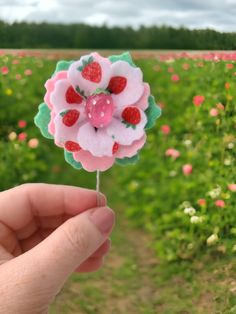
<point>98,110</point>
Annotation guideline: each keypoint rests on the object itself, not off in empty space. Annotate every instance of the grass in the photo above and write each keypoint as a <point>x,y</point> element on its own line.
<point>132,281</point>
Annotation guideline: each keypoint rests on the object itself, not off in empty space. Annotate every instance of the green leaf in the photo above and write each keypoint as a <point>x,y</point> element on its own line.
<point>70,159</point>
<point>62,114</point>
<point>80,68</point>
<point>152,112</point>
<point>90,60</point>
<point>127,161</point>
<point>123,57</point>
<point>42,120</point>
<point>101,91</point>
<point>63,66</point>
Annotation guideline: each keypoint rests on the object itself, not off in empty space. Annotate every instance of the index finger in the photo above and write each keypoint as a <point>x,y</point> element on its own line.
<point>19,205</point>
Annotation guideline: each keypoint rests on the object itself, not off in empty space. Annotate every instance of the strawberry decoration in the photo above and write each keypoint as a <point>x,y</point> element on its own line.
<point>91,70</point>
<point>131,116</point>
<point>115,148</point>
<point>117,84</point>
<point>72,146</point>
<point>70,117</point>
<point>72,97</point>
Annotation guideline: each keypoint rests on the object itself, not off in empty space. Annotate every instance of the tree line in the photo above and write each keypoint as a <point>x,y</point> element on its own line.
<point>80,36</point>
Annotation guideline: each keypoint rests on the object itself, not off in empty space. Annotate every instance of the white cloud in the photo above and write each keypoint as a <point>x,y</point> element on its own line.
<point>216,14</point>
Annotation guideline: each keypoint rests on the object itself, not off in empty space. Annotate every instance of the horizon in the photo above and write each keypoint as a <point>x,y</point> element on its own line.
<point>214,15</point>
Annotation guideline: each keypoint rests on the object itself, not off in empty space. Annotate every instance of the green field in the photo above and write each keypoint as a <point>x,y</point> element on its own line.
<point>175,241</point>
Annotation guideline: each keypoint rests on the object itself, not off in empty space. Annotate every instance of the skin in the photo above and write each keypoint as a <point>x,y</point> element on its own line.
<point>45,235</point>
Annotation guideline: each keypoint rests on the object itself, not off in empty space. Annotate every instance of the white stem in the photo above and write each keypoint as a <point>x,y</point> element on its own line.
<point>98,189</point>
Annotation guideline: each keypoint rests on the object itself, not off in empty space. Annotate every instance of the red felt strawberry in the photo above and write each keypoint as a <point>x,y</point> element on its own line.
<point>115,148</point>
<point>91,70</point>
<point>72,97</point>
<point>70,117</point>
<point>131,115</point>
<point>72,146</point>
<point>117,84</point>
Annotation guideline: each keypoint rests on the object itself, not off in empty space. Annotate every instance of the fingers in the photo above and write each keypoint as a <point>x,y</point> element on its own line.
<point>71,245</point>
<point>95,261</point>
<point>21,204</point>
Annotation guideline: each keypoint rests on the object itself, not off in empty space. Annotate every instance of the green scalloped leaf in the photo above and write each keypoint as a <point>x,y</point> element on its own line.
<point>70,159</point>
<point>62,66</point>
<point>126,56</point>
<point>42,120</point>
<point>153,112</point>
<point>127,161</point>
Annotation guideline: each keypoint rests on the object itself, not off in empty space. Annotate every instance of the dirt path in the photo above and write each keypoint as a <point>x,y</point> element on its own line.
<point>124,285</point>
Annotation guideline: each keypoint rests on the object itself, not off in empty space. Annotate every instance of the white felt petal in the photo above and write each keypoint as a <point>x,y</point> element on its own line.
<point>98,143</point>
<point>126,135</point>
<point>64,133</point>
<point>134,88</point>
<point>58,97</point>
<point>88,87</point>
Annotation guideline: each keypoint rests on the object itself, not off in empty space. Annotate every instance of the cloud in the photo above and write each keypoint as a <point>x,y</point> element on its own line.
<point>216,14</point>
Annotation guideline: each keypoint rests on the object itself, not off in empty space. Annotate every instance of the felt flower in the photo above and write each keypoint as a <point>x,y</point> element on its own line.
<point>98,110</point>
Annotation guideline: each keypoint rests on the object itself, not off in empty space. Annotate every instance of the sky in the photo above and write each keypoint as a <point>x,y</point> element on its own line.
<point>215,14</point>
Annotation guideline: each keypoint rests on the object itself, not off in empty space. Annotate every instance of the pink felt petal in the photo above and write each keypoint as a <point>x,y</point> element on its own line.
<point>134,88</point>
<point>58,97</point>
<point>142,103</point>
<point>88,87</point>
<point>51,125</point>
<point>98,143</point>
<point>92,163</point>
<point>50,85</point>
<point>130,151</point>
<point>126,135</point>
<point>64,133</point>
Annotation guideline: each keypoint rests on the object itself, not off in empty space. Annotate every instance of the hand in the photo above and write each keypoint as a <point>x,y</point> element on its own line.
<point>46,233</point>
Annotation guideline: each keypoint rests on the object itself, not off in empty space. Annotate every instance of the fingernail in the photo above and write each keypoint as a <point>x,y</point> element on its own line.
<point>103,218</point>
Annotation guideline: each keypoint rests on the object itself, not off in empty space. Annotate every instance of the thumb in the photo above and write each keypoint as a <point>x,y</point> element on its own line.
<point>71,244</point>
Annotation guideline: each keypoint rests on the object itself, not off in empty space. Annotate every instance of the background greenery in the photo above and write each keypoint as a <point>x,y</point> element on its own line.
<point>45,35</point>
<point>174,251</point>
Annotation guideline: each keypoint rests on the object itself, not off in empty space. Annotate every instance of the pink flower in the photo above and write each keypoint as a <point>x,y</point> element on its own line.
<point>220,203</point>
<point>22,136</point>
<point>171,70</point>
<point>220,106</point>
<point>165,129</point>
<point>22,124</point>
<point>227,85</point>
<point>15,61</point>
<point>214,112</point>
<point>28,72</point>
<point>18,77</point>
<point>175,78</point>
<point>229,65</point>
<point>232,187</point>
<point>98,110</point>
<point>202,202</point>
<point>185,66</point>
<point>187,169</point>
<point>171,152</point>
<point>198,100</point>
<point>33,143</point>
<point>4,70</point>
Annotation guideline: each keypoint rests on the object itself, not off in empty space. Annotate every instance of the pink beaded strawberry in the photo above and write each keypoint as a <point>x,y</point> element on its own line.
<point>98,110</point>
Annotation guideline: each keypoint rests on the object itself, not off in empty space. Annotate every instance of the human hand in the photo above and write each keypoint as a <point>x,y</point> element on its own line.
<point>46,233</point>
